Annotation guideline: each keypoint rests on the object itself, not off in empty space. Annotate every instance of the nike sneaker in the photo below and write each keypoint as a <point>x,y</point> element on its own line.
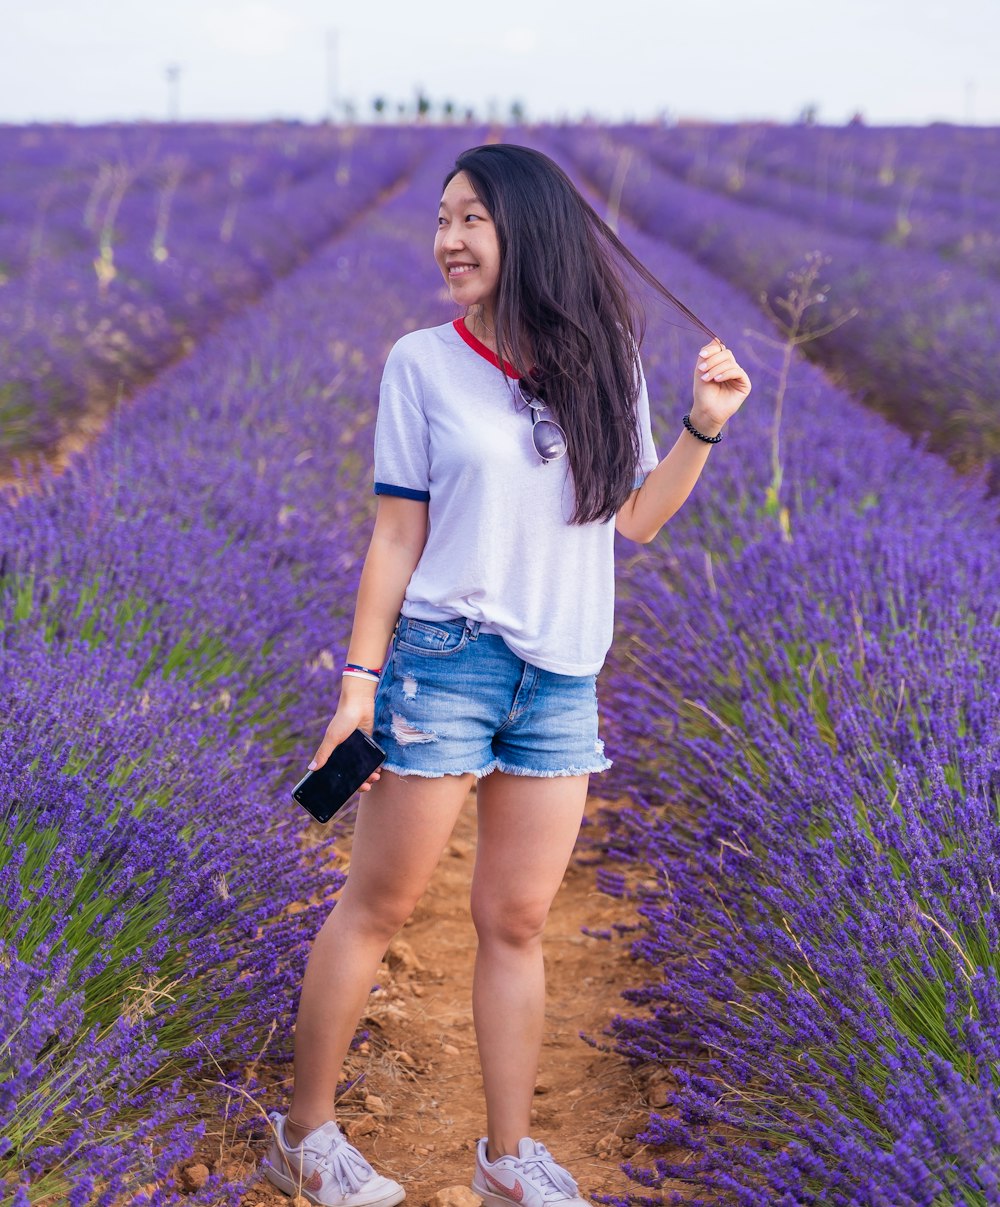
<point>326,1169</point>
<point>531,1179</point>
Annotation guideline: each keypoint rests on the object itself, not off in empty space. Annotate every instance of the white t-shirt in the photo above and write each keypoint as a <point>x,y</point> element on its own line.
<point>500,548</point>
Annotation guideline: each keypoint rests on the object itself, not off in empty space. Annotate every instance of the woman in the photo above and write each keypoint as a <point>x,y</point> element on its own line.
<point>509,447</point>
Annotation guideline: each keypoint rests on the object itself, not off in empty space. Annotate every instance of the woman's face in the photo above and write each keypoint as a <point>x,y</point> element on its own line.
<point>466,247</point>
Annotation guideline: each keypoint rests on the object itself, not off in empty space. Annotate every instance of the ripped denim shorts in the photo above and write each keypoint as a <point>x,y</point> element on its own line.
<point>453,700</point>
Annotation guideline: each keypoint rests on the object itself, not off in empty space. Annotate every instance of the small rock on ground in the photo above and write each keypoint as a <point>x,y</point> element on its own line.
<point>455,1196</point>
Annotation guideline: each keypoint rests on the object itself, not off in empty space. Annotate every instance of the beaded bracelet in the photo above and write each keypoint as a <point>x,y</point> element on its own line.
<point>701,436</point>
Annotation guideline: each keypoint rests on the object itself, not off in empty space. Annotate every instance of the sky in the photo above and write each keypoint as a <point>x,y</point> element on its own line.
<point>897,62</point>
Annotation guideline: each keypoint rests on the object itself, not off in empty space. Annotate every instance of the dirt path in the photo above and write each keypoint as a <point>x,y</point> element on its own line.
<point>83,430</point>
<point>418,1112</point>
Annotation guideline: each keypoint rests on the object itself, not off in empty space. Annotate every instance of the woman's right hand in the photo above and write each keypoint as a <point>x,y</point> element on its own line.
<point>355,710</point>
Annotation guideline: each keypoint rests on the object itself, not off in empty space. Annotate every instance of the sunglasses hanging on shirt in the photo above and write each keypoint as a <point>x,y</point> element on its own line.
<point>546,435</point>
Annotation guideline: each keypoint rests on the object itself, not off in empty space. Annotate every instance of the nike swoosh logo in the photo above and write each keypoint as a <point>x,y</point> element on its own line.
<point>313,1183</point>
<point>515,1192</point>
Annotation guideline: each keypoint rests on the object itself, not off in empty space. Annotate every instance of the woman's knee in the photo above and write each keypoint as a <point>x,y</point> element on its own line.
<point>516,922</point>
<point>377,915</point>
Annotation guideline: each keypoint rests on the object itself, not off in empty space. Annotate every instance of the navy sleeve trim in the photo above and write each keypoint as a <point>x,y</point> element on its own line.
<point>402,492</point>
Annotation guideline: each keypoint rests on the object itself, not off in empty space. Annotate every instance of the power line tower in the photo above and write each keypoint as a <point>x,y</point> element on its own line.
<point>173,91</point>
<point>332,83</point>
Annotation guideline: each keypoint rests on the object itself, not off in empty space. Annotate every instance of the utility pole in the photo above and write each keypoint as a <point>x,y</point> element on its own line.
<point>173,91</point>
<point>331,73</point>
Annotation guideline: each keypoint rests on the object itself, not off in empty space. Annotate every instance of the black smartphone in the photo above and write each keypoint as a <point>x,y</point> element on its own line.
<point>326,790</point>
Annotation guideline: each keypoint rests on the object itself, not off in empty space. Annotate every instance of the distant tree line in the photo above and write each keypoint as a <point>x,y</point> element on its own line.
<point>423,108</point>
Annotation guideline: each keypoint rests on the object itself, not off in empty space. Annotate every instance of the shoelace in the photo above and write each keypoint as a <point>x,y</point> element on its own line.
<point>346,1164</point>
<point>561,1184</point>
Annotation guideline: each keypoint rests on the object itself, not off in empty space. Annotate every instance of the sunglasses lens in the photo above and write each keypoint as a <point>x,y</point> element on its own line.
<point>549,439</point>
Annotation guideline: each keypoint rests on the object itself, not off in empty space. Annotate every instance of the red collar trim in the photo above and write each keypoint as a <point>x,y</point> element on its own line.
<point>477,345</point>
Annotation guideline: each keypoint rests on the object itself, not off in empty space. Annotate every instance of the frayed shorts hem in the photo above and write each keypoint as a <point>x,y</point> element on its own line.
<point>496,765</point>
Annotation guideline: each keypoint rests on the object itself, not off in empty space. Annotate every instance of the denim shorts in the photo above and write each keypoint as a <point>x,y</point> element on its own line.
<point>453,700</point>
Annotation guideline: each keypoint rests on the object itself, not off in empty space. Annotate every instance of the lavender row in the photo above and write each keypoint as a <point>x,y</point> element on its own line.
<point>66,170</point>
<point>173,608</point>
<point>938,168</point>
<point>57,179</point>
<point>124,244</point>
<point>942,166</point>
<point>917,340</point>
<point>802,705</point>
<point>762,166</point>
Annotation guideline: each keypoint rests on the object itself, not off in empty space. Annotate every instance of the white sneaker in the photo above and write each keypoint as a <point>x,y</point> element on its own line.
<point>531,1179</point>
<point>326,1169</point>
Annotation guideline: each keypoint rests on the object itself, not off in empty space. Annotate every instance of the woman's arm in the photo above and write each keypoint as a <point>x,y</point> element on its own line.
<point>720,387</point>
<point>665,488</point>
<point>396,544</point>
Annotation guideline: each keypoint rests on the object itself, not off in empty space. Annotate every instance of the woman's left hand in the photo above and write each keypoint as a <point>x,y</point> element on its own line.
<point>720,387</point>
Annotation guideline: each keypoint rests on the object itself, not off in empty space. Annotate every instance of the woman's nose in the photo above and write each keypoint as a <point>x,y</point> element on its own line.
<point>451,236</point>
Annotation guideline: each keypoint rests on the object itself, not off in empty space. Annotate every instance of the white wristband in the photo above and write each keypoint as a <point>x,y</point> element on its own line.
<point>361,675</point>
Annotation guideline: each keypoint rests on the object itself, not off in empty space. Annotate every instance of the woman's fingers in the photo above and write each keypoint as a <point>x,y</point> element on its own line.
<point>720,384</point>
<point>715,362</point>
<point>349,716</point>
<point>335,734</point>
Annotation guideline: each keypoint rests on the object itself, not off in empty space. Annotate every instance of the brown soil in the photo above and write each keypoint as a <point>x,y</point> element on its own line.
<point>83,425</point>
<point>418,1111</point>
<point>82,430</point>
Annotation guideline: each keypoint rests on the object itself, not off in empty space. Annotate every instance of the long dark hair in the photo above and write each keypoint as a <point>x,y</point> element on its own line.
<point>562,308</point>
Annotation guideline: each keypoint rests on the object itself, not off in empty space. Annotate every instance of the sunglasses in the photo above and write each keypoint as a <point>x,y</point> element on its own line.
<point>546,435</point>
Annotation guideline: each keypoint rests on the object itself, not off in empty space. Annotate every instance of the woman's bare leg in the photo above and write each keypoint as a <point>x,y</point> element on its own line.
<point>528,826</point>
<point>401,829</point>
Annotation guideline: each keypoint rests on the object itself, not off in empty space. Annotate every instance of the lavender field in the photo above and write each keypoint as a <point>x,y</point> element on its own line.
<point>912,320</point>
<point>802,701</point>
<point>120,246</point>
